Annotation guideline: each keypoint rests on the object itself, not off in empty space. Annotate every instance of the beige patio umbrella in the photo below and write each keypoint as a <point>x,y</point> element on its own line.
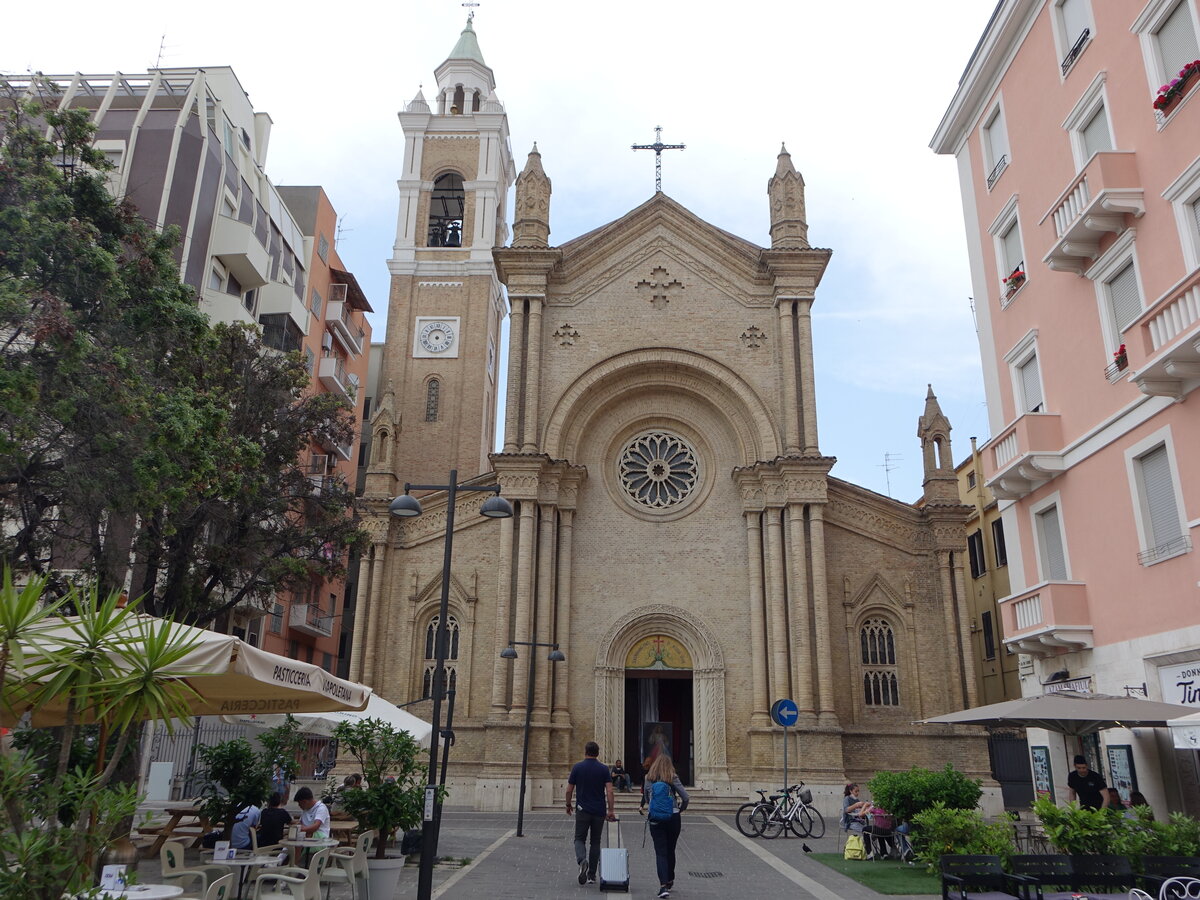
<point>229,677</point>
<point>1068,712</point>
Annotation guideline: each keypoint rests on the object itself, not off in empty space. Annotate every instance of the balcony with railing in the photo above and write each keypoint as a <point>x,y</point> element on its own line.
<point>334,377</point>
<point>277,298</point>
<point>1047,618</point>
<point>1095,203</point>
<point>339,320</point>
<point>1170,334</point>
<point>235,244</point>
<point>309,619</point>
<point>1024,456</point>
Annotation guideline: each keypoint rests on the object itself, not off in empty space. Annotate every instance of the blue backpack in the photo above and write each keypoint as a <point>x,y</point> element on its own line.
<point>661,807</point>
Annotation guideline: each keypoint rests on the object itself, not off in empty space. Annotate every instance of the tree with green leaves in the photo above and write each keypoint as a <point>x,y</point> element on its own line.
<point>130,427</point>
<point>390,762</point>
<point>105,667</point>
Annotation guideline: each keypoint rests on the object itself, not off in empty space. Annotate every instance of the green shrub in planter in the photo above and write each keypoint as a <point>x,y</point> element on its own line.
<point>940,830</point>
<point>904,794</point>
<point>394,794</point>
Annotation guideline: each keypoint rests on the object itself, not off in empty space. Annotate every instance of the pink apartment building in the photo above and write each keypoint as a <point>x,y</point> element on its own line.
<point>1080,182</point>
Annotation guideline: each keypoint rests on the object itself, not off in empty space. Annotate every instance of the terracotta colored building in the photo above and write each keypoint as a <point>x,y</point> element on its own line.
<point>1076,130</point>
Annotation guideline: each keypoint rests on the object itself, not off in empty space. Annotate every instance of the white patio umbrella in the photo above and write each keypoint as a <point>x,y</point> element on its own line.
<point>1186,731</point>
<point>1068,712</point>
<point>325,722</point>
<point>229,676</point>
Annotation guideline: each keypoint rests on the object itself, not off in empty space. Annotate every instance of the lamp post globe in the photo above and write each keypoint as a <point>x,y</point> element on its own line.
<point>405,507</point>
<point>496,508</point>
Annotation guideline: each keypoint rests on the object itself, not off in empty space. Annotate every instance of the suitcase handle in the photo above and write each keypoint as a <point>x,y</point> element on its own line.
<point>609,831</point>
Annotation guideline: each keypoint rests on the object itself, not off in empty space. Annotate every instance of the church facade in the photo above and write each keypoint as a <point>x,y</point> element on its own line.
<point>677,532</point>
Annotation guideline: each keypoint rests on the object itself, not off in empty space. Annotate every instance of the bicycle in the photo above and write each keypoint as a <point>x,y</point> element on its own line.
<point>742,819</point>
<point>792,809</point>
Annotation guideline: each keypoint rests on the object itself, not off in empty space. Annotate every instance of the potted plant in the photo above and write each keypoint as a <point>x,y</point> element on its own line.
<point>1176,87</point>
<point>105,665</point>
<point>391,799</point>
<point>1014,281</point>
<point>1120,358</point>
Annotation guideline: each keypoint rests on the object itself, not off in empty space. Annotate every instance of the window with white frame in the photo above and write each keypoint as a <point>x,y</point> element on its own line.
<point>1026,375</point>
<point>1167,30</point>
<point>1051,549</point>
<point>1088,123</point>
<point>975,553</point>
<point>1157,501</point>
<point>1184,196</point>
<point>1010,256</point>
<point>1118,295</point>
<point>995,146</point>
<point>1073,30</point>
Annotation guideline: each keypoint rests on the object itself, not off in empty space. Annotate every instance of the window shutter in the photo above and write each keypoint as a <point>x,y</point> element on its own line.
<point>996,138</point>
<point>1031,385</point>
<point>1177,41</point>
<point>1123,299</point>
<point>1075,19</point>
<point>1012,249</point>
<point>1096,138</point>
<point>1054,560</point>
<point>1160,497</point>
<point>1196,214</point>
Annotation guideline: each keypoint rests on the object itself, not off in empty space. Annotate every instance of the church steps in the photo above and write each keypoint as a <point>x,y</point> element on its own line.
<point>708,802</point>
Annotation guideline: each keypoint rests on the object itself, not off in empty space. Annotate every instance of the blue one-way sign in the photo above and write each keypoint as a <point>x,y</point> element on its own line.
<point>785,713</point>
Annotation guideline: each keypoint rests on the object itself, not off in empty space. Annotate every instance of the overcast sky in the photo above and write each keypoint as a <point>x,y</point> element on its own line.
<point>854,89</point>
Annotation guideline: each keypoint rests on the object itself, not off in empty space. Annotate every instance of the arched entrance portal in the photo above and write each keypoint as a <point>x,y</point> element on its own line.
<point>691,673</point>
<point>659,706</point>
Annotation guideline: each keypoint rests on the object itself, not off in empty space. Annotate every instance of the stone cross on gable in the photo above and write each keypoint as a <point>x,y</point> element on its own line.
<point>660,290</point>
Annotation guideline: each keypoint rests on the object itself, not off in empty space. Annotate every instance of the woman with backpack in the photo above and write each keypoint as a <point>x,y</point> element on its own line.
<point>663,813</point>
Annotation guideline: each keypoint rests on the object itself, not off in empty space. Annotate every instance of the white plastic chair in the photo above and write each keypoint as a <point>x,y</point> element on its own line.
<point>293,881</point>
<point>175,872</point>
<point>1180,888</point>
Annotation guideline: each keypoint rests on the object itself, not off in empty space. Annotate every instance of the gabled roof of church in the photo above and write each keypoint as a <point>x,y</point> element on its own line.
<point>644,217</point>
<point>467,46</point>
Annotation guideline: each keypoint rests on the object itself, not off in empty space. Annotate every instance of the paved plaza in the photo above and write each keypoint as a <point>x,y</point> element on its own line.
<point>714,861</point>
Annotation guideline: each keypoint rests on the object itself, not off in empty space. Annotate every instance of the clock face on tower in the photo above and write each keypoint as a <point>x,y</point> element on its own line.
<point>436,336</point>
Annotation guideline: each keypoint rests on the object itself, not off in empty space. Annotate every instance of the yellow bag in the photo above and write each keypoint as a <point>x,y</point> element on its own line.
<point>854,847</point>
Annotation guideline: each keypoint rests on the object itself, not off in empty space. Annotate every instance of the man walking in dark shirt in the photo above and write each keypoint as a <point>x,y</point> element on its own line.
<point>1086,786</point>
<point>593,782</point>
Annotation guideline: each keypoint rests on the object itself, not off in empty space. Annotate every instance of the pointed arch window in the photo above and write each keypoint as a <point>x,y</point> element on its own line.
<point>452,643</point>
<point>881,683</point>
<point>433,392</point>
<point>446,206</point>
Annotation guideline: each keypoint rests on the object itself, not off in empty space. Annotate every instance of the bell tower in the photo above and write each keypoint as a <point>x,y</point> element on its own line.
<point>440,361</point>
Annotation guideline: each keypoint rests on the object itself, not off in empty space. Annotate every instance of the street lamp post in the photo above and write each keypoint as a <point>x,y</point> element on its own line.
<point>404,507</point>
<point>508,652</point>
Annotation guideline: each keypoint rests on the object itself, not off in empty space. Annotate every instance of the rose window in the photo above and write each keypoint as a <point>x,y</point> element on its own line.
<point>658,470</point>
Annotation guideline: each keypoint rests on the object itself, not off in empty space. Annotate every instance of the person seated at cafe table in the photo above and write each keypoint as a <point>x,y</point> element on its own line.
<point>274,822</point>
<point>247,818</point>
<point>314,815</point>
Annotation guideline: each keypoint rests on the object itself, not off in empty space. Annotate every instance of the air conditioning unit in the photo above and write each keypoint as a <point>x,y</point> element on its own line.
<point>327,341</point>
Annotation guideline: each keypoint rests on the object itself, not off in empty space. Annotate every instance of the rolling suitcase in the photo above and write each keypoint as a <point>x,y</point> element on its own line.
<point>614,864</point>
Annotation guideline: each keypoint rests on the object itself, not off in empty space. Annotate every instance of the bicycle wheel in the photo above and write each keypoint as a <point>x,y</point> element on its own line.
<point>772,822</point>
<point>743,818</point>
<point>816,823</point>
<point>801,823</point>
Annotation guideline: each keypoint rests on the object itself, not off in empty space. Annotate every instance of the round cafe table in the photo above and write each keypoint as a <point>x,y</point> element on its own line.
<point>144,892</point>
<point>244,862</point>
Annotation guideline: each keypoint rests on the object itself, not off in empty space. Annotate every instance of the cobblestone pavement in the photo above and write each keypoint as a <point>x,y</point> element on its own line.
<point>489,861</point>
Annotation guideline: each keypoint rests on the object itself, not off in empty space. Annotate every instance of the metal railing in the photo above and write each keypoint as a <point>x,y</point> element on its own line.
<point>1181,544</point>
<point>1073,53</point>
<point>997,170</point>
